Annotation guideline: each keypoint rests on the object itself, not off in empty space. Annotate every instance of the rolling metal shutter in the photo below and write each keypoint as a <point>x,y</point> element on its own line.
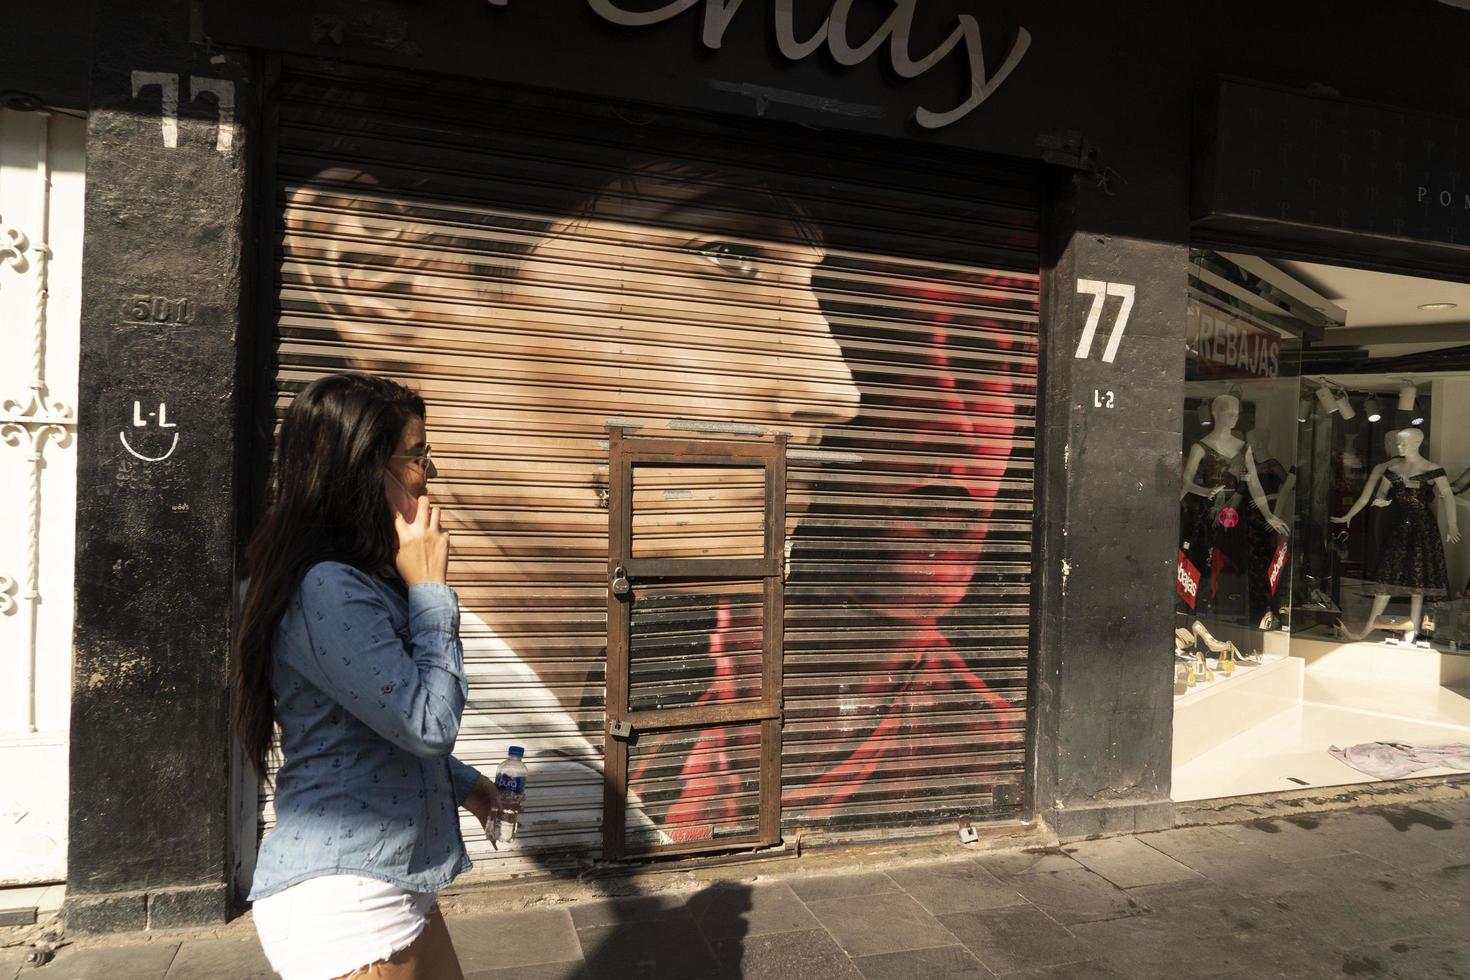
<point>544,271</point>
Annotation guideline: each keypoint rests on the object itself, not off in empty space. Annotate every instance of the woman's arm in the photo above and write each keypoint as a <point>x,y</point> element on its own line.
<point>1369,485</point>
<point>411,694</point>
<point>476,793</point>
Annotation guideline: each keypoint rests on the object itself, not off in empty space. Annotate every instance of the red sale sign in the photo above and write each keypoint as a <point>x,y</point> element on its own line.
<point>1187,583</point>
<point>1278,564</point>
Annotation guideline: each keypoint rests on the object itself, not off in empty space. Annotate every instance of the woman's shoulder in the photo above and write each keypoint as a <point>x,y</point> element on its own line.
<point>340,579</point>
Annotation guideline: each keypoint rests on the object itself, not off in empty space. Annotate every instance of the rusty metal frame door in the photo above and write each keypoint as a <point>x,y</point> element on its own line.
<point>625,572</point>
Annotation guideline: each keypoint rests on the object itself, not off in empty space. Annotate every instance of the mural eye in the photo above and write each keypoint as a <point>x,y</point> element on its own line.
<point>739,260</point>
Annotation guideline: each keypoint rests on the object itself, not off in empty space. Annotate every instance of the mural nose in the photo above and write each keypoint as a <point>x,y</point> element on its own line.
<point>825,394</point>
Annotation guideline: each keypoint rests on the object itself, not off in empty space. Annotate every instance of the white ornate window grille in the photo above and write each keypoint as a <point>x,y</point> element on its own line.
<point>30,423</point>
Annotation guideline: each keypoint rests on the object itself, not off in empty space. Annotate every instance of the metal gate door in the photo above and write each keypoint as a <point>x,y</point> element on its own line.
<point>696,546</point>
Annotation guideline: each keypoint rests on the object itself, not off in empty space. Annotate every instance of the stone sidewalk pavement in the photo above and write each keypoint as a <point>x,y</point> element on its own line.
<point>1380,892</point>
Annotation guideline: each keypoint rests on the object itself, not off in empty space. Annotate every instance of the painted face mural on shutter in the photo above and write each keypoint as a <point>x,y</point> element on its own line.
<point>677,287</point>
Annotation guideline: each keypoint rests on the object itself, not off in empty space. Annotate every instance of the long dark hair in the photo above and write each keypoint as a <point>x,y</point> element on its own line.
<point>329,503</point>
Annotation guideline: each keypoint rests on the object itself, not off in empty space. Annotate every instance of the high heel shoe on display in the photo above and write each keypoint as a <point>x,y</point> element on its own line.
<point>1202,669</point>
<point>1207,638</point>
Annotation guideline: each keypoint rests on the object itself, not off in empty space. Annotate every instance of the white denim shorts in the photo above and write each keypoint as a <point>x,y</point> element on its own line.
<point>329,926</point>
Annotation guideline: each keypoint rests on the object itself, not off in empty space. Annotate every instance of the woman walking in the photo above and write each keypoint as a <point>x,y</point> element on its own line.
<point>349,643</point>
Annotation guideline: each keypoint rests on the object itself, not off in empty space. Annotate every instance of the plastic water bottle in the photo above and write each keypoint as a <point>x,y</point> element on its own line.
<point>510,783</point>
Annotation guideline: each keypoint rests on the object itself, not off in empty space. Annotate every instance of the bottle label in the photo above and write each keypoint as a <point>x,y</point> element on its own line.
<point>510,784</point>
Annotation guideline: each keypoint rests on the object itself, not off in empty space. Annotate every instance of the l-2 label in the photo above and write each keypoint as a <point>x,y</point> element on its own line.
<point>1103,399</point>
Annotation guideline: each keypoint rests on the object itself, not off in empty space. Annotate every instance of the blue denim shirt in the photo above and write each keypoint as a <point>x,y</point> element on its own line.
<point>369,687</point>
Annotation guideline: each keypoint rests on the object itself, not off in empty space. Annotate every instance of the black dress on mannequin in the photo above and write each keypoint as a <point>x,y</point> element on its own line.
<point>1215,537</point>
<point>1412,560</point>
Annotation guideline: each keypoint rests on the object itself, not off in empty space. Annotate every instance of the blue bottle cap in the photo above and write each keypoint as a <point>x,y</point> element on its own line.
<point>516,752</point>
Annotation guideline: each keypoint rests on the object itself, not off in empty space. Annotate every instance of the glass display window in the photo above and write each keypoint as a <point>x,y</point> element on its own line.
<point>1322,635</point>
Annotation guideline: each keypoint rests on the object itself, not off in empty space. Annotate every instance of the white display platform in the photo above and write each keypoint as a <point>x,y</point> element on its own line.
<point>1215,712</point>
<point>1376,660</point>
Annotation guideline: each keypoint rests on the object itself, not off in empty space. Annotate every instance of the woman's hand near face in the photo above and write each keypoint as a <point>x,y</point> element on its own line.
<point>423,545</point>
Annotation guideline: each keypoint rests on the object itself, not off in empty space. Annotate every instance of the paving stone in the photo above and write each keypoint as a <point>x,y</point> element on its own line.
<point>1203,900</point>
<point>636,908</point>
<point>1352,901</point>
<point>1076,896</point>
<point>670,948</point>
<point>1015,939</point>
<point>148,962</point>
<point>1004,864</point>
<point>1209,851</point>
<point>1086,970</point>
<point>1412,845</point>
<point>1286,839</point>
<point>1449,881</point>
<point>956,887</point>
<point>1154,946</point>
<point>729,911</point>
<point>842,886</point>
<point>1128,862</point>
<point>11,962</point>
<point>941,963</point>
<point>220,959</point>
<point>576,970</point>
<point>1410,959</point>
<point>864,925</point>
<point>540,936</point>
<point>808,955</point>
<point>1292,955</point>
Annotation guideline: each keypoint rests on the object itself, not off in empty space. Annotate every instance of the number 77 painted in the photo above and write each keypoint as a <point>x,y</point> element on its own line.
<point>1099,292</point>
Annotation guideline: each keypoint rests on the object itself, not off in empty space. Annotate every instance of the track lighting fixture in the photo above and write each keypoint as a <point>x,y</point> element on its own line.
<point>1407,394</point>
<point>1327,399</point>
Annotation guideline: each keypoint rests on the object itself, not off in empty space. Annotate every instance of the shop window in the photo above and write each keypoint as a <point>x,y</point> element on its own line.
<point>1320,631</point>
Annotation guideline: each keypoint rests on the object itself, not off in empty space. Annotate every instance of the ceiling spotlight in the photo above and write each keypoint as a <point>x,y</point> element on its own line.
<point>1371,407</point>
<point>1346,407</point>
<point>1407,394</point>
<point>1205,418</point>
<point>1418,415</point>
<point>1329,402</point>
<point>1437,307</point>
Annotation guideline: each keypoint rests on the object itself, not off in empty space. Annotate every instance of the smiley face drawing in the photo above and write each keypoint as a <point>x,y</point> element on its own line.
<point>140,422</point>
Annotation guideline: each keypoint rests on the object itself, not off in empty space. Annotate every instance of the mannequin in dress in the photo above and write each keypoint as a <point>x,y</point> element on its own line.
<point>1238,458</point>
<point>1413,561</point>
<point>1219,472</point>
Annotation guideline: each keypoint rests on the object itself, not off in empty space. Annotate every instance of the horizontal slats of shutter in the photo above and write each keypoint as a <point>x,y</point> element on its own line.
<point>407,207</point>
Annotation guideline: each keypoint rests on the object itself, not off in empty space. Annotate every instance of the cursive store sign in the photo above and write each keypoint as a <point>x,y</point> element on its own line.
<point>833,34</point>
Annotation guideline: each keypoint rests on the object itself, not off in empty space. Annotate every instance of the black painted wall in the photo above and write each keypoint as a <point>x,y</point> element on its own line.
<point>151,767</point>
<point>161,313</point>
